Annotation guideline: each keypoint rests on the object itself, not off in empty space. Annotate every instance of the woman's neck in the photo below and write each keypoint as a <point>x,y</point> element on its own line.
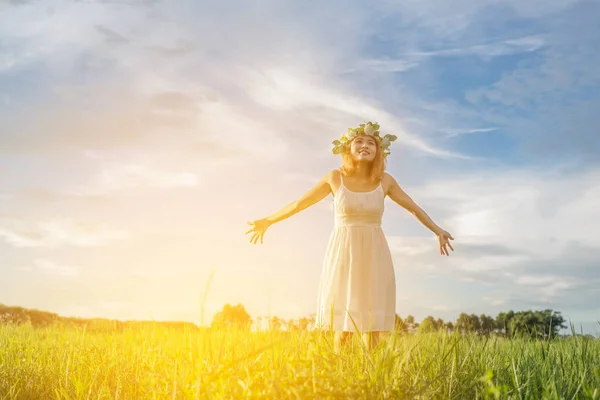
<point>362,171</point>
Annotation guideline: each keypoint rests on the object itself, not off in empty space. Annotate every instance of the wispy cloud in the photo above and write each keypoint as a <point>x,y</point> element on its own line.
<point>132,177</point>
<point>411,59</point>
<point>57,233</point>
<point>534,235</point>
<point>142,96</point>
<point>384,65</point>
<point>549,286</point>
<point>52,268</point>
<point>459,132</point>
<point>498,298</point>
<point>256,100</point>
<point>519,45</point>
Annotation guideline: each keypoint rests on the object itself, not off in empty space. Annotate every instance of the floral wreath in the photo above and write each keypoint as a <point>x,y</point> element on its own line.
<point>369,129</point>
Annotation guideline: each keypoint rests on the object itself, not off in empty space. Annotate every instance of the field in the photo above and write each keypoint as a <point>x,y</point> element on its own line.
<point>161,363</point>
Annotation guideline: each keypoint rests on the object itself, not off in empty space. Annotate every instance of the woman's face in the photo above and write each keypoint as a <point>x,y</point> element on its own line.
<point>363,148</point>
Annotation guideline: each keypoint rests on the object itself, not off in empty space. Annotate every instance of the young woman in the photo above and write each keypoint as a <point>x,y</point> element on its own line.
<point>357,289</point>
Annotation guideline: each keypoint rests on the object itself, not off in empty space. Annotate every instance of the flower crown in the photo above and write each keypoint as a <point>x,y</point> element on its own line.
<point>370,129</point>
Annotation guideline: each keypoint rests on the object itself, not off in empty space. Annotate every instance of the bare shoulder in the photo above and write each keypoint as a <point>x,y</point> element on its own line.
<point>389,184</point>
<point>332,176</point>
<point>333,172</point>
<point>388,180</point>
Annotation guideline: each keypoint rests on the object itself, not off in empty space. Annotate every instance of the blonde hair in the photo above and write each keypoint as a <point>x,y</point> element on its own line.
<point>378,165</point>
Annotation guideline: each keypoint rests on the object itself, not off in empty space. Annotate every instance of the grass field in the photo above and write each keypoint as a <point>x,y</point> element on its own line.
<point>161,363</point>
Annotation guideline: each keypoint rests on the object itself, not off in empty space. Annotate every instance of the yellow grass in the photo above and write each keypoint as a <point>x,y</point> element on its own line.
<point>154,362</point>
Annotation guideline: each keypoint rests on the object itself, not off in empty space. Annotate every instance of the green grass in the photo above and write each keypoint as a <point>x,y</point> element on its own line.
<point>158,363</point>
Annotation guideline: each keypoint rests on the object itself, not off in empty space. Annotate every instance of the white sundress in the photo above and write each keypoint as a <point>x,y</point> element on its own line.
<point>358,278</point>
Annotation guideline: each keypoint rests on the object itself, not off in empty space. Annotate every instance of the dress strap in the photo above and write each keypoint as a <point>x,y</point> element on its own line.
<point>341,178</point>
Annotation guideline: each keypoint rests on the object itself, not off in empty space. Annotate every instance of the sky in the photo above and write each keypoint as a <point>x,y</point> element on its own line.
<point>138,137</point>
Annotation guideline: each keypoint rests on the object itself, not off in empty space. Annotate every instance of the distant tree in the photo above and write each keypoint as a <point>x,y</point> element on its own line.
<point>427,325</point>
<point>468,323</point>
<point>462,324</point>
<point>411,324</point>
<point>258,325</point>
<point>520,324</point>
<point>400,325</point>
<point>232,317</point>
<point>275,323</point>
<point>475,323</point>
<point>304,323</point>
<point>544,324</point>
<point>503,322</point>
<point>552,323</point>
<point>439,323</point>
<point>488,324</point>
<point>291,324</point>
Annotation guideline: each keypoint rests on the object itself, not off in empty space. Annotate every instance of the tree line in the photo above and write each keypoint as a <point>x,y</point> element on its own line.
<point>542,324</point>
<point>40,319</point>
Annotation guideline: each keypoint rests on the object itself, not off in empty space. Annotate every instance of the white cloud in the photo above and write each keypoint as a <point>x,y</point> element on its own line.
<point>124,178</point>
<point>284,92</point>
<point>444,20</point>
<point>494,204</point>
<point>460,132</point>
<point>528,233</point>
<point>37,33</point>
<point>290,91</point>
<point>548,287</point>
<point>497,298</point>
<point>6,63</point>
<point>384,65</point>
<point>52,268</point>
<point>57,233</point>
<point>230,126</point>
<point>525,44</point>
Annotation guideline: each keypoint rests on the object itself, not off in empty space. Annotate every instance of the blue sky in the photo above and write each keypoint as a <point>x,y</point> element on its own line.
<point>138,137</point>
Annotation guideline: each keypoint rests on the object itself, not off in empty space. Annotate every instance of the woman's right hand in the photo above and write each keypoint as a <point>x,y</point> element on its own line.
<point>259,227</point>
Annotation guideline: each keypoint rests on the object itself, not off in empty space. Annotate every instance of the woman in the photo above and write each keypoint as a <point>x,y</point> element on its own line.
<point>357,289</point>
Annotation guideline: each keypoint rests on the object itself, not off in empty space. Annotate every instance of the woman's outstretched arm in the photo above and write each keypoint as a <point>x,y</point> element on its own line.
<point>311,197</point>
<point>399,196</point>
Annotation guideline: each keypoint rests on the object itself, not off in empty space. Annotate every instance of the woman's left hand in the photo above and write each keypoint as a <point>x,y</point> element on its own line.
<point>443,237</point>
